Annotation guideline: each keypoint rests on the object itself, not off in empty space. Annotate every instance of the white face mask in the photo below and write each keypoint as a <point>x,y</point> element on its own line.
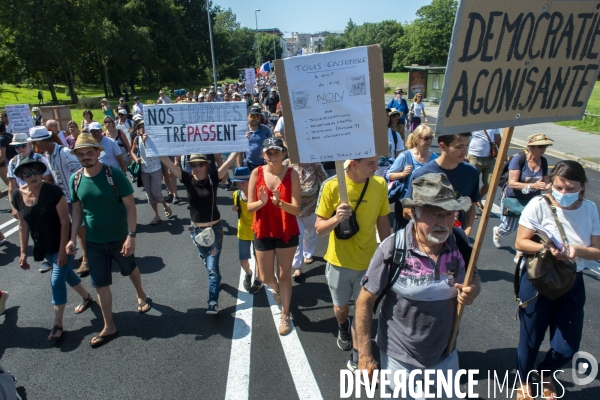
<point>565,199</point>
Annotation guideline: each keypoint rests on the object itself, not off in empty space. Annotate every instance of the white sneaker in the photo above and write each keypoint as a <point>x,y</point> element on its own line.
<point>496,238</point>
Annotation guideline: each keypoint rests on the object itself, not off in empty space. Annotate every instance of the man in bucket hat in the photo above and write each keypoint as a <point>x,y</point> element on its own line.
<point>102,197</point>
<point>417,313</point>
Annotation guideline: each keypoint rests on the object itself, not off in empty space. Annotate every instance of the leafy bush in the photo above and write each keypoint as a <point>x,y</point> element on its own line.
<point>88,103</point>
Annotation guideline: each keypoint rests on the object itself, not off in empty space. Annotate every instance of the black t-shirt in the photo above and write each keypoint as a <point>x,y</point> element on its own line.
<point>42,218</point>
<point>10,152</point>
<point>271,102</point>
<point>202,197</point>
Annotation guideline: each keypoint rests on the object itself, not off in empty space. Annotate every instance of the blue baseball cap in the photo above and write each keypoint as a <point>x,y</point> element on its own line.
<point>241,174</point>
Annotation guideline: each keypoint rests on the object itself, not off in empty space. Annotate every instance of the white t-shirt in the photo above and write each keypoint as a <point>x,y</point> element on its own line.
<point>138,108</point>
<point>279,127</point>
<point>398,147</point>
<point>480,145</point>
<point>417,108</point>
<point>165,100</point>
<point>579,224</point>
<point>111,150</point>
<point>61,136</point>
<point>125,127</point>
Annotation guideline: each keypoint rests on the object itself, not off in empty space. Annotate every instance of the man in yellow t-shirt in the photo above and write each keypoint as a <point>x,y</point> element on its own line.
<point>348,260</point>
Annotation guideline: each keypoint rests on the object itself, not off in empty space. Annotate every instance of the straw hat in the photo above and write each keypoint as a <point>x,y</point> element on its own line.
<point>85,140</point>
<point>539,139</point>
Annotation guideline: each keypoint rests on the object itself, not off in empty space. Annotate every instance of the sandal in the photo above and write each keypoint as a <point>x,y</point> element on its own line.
<point>84,305</point>
<point>297,275</point>
<point>54,331</point>
<point>99,340</point>
<point>168,212</point>
<point>308,261</point>
<point>549,390</point>
<point>143,304</point>
<point>524,393</point>
<point>155,221</point>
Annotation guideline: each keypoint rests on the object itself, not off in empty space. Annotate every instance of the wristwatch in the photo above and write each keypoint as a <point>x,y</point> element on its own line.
<point>132,234</point>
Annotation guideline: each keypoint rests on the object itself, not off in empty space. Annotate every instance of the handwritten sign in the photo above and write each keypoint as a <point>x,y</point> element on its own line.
<point>19,118</point>
<point>334,102</point>
<point>519,62</point>
<point>187,128</point>
<point>250,75</point>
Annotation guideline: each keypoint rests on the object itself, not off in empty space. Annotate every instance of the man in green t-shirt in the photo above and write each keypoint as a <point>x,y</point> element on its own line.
<point>103,197</point>
<point>348,260</point>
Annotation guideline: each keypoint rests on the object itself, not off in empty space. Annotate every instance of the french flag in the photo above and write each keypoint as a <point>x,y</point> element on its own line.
<point>266,67</point>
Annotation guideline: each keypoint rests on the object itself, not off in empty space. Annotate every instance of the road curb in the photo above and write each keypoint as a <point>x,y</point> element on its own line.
<point>563,155</point>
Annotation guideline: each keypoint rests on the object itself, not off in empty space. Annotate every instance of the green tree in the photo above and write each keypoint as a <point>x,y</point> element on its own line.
<point>384,33</point>
<point>267,41</point>
<point>334,42</point>
<point>431,32</point>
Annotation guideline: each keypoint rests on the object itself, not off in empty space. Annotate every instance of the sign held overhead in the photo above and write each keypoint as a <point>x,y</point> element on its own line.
<point>519,62</point>
<point>187,128</point>
<point>333,104</point>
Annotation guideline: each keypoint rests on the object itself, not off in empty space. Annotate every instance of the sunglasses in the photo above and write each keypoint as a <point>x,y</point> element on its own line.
<point>198,165</point>
<point>22,145</point>
<point>107,122</point>
<point>427,138</point>
<point>29,174</point>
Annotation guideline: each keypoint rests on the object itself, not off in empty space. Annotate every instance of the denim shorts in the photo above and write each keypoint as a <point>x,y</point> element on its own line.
<point>100,256</point>
<point>269,243</point>
<point>244,249</point>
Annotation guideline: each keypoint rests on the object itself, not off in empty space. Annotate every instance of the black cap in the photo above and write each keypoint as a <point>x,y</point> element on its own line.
<point>273,143</point>
<point>30,162</point>
<point>254,110</point>
<point>136,98</point>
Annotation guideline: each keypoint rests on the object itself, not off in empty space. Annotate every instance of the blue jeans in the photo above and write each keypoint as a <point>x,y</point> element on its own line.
<point>60,277</point>
<point>211,261</point>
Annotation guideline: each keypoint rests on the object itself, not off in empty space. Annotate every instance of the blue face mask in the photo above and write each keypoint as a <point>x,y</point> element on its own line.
<point>566,199</point>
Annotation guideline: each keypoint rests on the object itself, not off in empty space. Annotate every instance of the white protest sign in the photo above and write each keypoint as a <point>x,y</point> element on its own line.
<point>19,118</point>
<point>188,128</point>
<point>519,62</point>
<point>333,103</point>
<point>250,74</point>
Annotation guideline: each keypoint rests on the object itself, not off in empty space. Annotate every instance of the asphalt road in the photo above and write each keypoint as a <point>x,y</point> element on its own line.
<point>176,351</point>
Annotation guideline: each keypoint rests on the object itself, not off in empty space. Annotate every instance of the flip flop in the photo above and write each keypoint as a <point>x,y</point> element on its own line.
<point>155,221</point>
<point>84,305</point>
<point>168,212</point>
<point>54,331</point>
<point>144,303</point>
<point>99,340</point>
<point>308,261</point>
<point>297,277</point>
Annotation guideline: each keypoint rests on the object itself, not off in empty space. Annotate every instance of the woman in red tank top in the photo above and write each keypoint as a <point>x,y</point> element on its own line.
<point>274,197</point>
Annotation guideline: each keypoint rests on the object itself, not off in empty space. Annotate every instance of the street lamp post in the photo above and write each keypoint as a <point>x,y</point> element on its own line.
<point>212,47</point>
<point>257,39</point>
<point>274,53</point>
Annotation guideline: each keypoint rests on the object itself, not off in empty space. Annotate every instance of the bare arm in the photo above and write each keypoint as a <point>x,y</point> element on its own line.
<point>175,170</point>
<point>122,163</point>
<point>224,166</point>
<point>63,214</point>
<point>2,154</point>
<point>129,245</point>
<point>293,207</point>
<point>24,240</point>
<point>254,201</point>
<point>364,321</point>
<point>469,219</point>
<point>12,185</point>
<point>383,227</point>
<point>325,225</point>
<point>76,218</point>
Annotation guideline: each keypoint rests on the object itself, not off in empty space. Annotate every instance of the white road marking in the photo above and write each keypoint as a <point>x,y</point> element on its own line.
<point>238,376</point>
<point>11,221</point>
<point>304,380</point>
<point>10,232</point>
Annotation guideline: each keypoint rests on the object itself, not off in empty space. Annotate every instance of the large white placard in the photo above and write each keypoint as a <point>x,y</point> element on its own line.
<point>188,128</point>
<point>330,98</point>
<point>19,118</point>
<point>250,74</point>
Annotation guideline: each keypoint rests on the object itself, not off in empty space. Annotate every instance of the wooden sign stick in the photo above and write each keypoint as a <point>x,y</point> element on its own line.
<point>341,176</point>
<point>483,222</point>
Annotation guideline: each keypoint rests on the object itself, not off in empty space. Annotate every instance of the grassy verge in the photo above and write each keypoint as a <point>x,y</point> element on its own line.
<point>588,124</point>
<point>392,80</point>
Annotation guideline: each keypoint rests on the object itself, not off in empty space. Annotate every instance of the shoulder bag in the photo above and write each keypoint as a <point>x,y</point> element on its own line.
<point>549,276</point>
<point>346,229</point>
<point>493,147</point>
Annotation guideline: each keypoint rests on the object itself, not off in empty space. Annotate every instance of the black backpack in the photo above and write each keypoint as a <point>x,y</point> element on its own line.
<point>397,261</point>
<point>522,158</point>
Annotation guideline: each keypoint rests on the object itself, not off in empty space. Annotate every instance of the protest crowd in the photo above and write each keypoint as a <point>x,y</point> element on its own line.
<point>72,192</point>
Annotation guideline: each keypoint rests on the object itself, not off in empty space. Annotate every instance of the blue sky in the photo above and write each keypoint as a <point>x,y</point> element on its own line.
<point>309,16</point>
